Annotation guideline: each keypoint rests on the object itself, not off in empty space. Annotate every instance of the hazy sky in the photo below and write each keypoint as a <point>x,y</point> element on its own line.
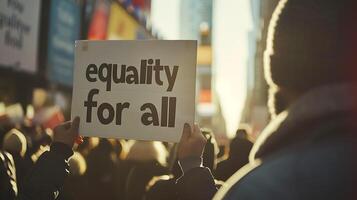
<point>231,22</point>
<point>165,17</point>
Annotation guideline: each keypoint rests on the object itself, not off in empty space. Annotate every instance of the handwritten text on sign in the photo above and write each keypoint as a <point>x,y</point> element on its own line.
<point>134,89</point>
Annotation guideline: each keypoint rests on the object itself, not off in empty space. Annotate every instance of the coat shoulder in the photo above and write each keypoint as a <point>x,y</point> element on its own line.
<point>317,170</point>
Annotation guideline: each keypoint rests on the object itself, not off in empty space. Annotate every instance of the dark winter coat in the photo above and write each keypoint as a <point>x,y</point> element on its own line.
<point>306,153</point>
<point>46,178</point>
<point>8,186</point>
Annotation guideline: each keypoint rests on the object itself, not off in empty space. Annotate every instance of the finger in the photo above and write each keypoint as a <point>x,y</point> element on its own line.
<point>197,131</point>
<point>65,125</point>
<point>186,132</point>
<point>75,125</point>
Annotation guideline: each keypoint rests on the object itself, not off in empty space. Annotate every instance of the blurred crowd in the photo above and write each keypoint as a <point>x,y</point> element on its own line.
<point>307,151</point>
<point>103,168</point>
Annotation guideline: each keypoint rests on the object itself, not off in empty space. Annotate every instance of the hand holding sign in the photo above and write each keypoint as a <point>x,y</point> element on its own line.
<point>141,90</point>
<point>67,132</point>
<point>192,142</point>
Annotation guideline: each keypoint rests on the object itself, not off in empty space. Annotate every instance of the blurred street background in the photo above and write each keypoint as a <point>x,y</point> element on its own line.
<point>37,44</point>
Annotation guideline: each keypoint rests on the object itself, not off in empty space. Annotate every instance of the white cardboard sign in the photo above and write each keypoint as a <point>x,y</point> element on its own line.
<point>143,90</point>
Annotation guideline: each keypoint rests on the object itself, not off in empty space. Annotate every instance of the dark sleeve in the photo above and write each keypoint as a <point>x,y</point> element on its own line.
<point>197,183</point>
<point>46,178</point>
<point>8,187</point>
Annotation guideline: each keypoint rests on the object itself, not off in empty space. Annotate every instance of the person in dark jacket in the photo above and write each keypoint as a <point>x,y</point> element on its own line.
<point>15,143</point>
<point>239,150</point>
<point>46,178</point>
<point>101,162</point>
<point>147,159</point>
<point>164,188</point>
<point>76,181</point>
<point>308,149</point>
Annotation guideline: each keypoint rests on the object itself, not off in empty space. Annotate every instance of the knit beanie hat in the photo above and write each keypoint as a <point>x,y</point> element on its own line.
<point>311,43</point>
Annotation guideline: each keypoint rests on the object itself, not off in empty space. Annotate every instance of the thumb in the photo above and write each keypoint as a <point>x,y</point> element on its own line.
<point>75,125</point>
<point>65,125</point>
<point>186,132</point>
<point>197,131</point>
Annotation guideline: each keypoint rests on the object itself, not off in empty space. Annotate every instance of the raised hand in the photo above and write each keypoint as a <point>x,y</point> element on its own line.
<point>192,142</point>
<point>67,132</point>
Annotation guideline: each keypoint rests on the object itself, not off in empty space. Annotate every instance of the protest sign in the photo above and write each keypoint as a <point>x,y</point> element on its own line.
<point>142,90</point>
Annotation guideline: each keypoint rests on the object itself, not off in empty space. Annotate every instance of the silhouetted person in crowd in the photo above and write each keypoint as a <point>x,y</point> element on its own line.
<point>5,126</point>
<point>101,169</point>
<point>161,187</point>
<point>46,178</point>
<point>15,143</point>
<point>75,183</point>
<point>239,149</point>
<point>164,188</point>
<point>88,144</point>
<point>308,149</point>
<point>146,159</point>
<point>8,189</point>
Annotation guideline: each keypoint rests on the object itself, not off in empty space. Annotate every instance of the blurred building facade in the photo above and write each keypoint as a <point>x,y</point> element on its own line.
<point>192,14</point>
<point>196,24</point>
<point>256,111</point>
<point>37,57</point>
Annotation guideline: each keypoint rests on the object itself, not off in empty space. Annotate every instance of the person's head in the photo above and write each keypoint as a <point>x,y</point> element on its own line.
<point>240,145</point>
<point>88,144</point>
<point>309,44</point>
<point>145,151</point>
<point>77,164</point>
<point>15,142</point>
<point>243,131</point>
<point>120,148</point>
<point>106,145</point>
